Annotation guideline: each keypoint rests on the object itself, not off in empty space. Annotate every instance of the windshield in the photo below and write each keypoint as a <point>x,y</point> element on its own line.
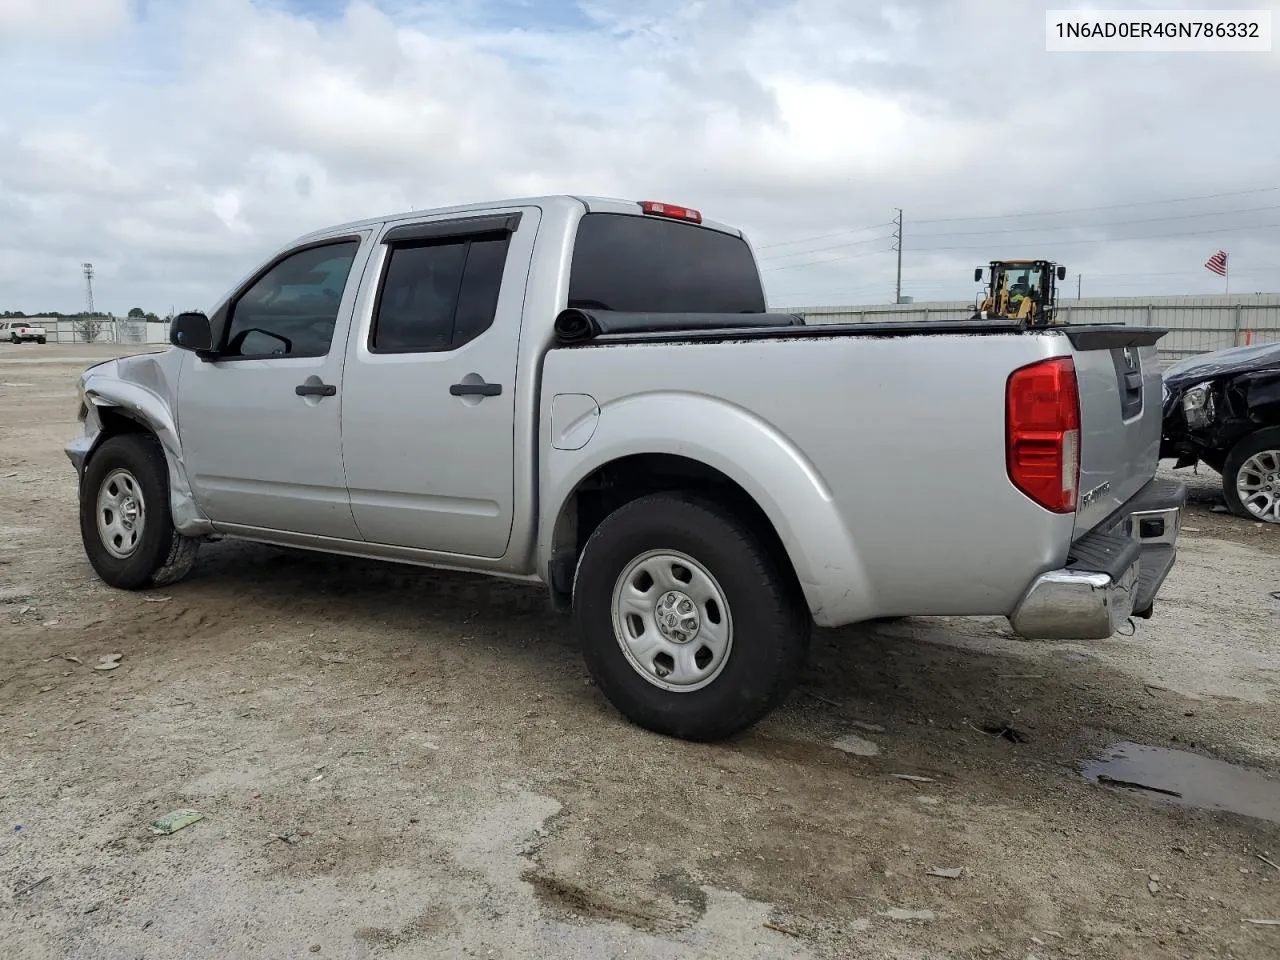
<point>1023,279</point>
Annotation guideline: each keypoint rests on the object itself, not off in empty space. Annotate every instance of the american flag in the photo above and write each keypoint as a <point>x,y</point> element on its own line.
<point>1218,263</point>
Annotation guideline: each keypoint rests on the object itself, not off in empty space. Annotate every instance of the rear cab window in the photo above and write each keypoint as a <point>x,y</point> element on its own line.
<point>644,264</point>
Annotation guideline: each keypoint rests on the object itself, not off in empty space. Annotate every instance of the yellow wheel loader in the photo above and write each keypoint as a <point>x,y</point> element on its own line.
<point>1022,290</point>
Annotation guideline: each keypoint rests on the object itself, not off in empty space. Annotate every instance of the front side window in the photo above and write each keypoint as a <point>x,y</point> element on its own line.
<point>438,295</point>
<point>291,311</point>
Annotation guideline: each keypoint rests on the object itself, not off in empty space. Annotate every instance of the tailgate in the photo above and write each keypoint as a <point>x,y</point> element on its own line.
<point>1119,379</point>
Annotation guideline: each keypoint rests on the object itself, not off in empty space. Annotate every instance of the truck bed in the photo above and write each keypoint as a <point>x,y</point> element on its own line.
<point>900,428</point>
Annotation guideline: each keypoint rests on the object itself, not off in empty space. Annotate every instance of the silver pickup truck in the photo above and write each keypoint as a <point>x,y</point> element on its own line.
<point>591,394</point>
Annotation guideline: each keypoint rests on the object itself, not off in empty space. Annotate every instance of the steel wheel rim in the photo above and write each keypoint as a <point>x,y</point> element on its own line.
<point>672,621</point>
<point>121,513</point>
<point>1258,485</point>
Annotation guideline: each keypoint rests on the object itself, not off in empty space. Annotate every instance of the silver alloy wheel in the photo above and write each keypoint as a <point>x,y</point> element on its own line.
<point>122,513</point>
<point>1258,485</point>
<point>672,620</point>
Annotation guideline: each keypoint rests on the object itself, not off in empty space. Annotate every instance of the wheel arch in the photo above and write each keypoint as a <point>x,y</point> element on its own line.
<point>115,407</point>
<point>1270,438</point>
<point>704,446</point>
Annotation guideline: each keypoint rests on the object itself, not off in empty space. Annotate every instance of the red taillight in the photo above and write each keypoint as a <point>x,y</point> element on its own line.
<point>1043,433</point>
<point>655,209</point>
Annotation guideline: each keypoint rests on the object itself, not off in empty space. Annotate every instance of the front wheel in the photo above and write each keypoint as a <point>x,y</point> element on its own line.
<point>1251,476</point>
<point>41,340</point>
<point>125,524</point>
<point>690,625</point>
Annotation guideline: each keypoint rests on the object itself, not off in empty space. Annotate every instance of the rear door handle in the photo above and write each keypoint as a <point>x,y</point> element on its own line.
<point>476,389</point>
<point>315,389</point>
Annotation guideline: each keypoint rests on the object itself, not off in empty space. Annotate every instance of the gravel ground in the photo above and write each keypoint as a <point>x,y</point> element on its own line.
<point>402,763</point>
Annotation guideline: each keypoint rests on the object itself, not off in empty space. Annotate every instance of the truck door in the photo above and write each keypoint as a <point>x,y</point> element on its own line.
<point>429,398</point>
<point>259,425</point>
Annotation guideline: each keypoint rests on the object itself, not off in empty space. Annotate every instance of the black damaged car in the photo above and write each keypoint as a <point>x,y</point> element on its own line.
<point>1223,409</point>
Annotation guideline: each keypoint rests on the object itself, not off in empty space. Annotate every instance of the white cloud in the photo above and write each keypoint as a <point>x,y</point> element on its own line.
<point>190,138</point>
<point>61,18</point>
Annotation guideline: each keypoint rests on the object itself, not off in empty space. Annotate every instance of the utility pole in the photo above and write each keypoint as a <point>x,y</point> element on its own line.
<point>88,288</point>
<point>1078,276</point>
<point>897,245</point>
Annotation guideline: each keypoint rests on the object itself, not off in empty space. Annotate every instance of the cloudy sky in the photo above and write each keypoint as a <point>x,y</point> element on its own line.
<point>174,143</point>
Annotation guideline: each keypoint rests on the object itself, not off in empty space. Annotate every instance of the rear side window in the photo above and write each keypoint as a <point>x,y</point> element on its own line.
<point>438,295</point>
<point>641,264</point>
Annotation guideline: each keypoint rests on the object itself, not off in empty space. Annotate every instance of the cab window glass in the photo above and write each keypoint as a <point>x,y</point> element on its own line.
<point>291,311</point>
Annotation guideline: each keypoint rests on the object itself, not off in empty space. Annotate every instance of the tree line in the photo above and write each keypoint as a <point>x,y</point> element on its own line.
<point>135,313</point>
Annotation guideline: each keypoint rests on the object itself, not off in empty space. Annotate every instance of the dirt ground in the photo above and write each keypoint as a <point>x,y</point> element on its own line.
<point>401,763</point>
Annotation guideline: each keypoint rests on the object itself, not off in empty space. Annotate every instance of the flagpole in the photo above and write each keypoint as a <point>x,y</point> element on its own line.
<point>1226,276</point>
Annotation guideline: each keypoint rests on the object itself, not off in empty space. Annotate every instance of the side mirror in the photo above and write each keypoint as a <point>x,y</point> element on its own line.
<point>191,331</point>
<point>1062,273</point>
<point>977,275</point>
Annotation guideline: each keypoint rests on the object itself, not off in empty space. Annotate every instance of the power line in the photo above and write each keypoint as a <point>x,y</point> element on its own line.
<point>1110,206</point>
<point>831,260</point>
<point>825,236</point>
<point>1095,240</point>
<point>977,246</point>
<point>1112,223</point>
<point>837,246</point>
<point>819,263</point>
<point>1010,216</point>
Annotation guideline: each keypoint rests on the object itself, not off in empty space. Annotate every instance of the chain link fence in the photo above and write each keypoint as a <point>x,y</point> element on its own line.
<point>101,330</point>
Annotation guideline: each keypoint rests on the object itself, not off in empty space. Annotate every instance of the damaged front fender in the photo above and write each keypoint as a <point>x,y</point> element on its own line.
<point>1215,401</point>
<point>140,391</point>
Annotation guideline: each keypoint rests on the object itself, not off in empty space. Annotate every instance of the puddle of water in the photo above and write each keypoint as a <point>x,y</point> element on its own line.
<point>1188,779</point>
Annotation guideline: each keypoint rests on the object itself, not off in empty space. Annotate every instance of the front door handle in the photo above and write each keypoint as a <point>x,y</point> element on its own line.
<point>476,389</point>
<point>315,389</point>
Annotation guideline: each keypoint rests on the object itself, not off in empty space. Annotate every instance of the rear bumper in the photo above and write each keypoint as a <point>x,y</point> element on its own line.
<point>1114,572</point>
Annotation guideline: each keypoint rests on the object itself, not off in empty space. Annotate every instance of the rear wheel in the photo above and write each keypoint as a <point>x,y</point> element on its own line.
<point>689,623</point>
<point>125,524</point>
<point>40,339</point>
<point>1251,476</point>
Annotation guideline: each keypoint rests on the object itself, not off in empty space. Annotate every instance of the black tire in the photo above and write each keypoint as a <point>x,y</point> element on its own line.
<point>1252,445</point>
<point>770,621</point>
<point>40,339</point>
<point>160,554</point>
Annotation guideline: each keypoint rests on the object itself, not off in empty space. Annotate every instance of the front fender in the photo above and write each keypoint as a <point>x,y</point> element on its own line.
<point>137,388</point>
<point>752,453</point>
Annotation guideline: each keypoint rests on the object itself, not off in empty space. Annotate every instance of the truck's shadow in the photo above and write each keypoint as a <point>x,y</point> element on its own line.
<point>937,703</point>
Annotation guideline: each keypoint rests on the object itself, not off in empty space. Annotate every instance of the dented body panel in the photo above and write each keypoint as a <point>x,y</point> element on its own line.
<point>1241,394</point>
<point>143,389</point>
